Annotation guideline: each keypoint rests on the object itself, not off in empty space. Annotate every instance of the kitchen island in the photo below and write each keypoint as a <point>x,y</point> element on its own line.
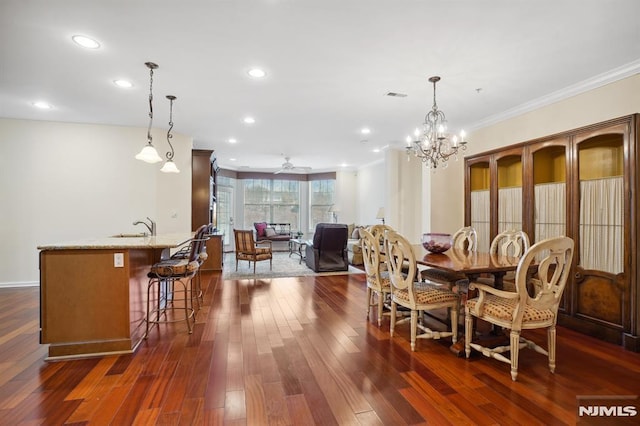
<point>93,293</point>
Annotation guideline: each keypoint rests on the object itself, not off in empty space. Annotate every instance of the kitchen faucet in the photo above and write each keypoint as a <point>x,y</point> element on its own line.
<point>151,228</point>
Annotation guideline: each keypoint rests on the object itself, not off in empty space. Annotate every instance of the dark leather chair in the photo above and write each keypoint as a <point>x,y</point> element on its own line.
<point>328,252</point>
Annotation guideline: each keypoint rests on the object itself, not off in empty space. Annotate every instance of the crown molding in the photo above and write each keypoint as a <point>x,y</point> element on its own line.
<point>600,80</point>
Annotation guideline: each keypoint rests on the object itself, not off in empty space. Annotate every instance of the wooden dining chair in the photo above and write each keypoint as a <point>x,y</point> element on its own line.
<point>465,238</point>
<point>518,310</point>
<point>507,243</point>
<point>378,283</point>
<point>414,295</point>
<point>378,233</point>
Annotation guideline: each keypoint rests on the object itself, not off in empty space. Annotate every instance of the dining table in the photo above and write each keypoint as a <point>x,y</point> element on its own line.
<point>472,264</point>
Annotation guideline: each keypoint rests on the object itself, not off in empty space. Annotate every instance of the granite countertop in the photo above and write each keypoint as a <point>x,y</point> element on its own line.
<point>125,241</point>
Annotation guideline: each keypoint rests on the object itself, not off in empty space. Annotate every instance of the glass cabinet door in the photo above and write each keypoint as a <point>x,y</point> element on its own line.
<point>601,290</point>
<point>601,186</point>
<point>509,193</point>
<point>480,203</point>
<point>550,193</point>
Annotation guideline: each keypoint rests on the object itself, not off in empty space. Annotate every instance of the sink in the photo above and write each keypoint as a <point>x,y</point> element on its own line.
<point>139,235</point>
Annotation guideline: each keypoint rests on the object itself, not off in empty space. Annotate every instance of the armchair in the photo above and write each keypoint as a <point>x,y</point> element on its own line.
<point>247,249</point>
<point>518,310</point>
<point>328,252</point>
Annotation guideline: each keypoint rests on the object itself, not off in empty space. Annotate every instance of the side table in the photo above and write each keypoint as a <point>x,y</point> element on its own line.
<point>297,246</point>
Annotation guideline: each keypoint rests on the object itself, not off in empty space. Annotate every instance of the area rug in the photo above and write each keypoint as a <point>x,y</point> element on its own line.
<point>283,266</point>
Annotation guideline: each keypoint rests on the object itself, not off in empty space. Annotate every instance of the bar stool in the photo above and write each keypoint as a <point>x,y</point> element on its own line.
<point>165,278</point>
<point>201,236</point>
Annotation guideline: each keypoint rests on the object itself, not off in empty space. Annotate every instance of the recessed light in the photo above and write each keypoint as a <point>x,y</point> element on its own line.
<point>232,159</point>
<point>123,83</point>
<point>232,140</point>
<point>376,150</point>
<point>365,130</point>
<point>42,105</point>
<point>344,165</point>
<point>256,73</point>
<point>85,42</point>
<point>249,120</point>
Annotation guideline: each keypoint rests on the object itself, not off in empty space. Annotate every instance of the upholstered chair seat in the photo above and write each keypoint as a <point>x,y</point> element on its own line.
<point>426,294</point>
<point>173,267</point>
<point>500,309</point>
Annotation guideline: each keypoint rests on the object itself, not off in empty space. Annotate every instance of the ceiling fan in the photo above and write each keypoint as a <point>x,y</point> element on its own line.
<point>287,166</point>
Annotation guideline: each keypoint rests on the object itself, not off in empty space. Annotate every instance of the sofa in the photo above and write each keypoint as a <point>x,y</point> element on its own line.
<point>272,231</point>
<point>328,250</point>
<point>354,249</point>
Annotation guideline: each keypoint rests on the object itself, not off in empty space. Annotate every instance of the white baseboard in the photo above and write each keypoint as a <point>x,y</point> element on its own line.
<point>19,284</point>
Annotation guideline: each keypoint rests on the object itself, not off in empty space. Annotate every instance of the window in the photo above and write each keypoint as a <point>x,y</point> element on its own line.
<point>321,198</point>
<point>276,201</point>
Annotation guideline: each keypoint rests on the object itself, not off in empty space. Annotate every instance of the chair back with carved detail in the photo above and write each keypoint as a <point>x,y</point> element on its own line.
<point>507,243</point>
<point>510,243</point>
<point>465,238</point>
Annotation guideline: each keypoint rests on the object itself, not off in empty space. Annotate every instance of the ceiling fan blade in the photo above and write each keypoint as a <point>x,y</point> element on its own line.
<point>278,172</point>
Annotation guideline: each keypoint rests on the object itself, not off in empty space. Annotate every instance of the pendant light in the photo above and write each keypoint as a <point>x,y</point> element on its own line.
<point>149,154</point>
<point>170,166</point>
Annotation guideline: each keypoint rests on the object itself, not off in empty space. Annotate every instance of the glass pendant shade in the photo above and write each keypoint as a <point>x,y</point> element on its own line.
<point>170,167</point>
<point>148,154</point>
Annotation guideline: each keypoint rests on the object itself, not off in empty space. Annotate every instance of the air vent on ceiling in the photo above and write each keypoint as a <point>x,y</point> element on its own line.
<point>397,95</point>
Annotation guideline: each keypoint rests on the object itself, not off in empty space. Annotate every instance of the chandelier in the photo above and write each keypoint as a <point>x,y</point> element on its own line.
<point>432,144</point>
<point>148,154</point>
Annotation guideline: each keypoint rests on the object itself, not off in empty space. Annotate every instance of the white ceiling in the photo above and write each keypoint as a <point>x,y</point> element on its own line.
<point>329,64</point>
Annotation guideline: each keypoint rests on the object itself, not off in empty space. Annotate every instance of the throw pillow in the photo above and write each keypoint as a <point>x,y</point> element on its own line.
<point>269,232</point>
<point>356,233</point>
<point>350,228</point>
<point>260,227</point>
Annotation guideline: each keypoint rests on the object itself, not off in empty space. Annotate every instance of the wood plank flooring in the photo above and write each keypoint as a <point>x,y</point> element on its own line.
<point>294,351</point>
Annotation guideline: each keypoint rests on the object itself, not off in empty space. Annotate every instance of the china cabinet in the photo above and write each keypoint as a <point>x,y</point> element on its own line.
<point>581,183</point>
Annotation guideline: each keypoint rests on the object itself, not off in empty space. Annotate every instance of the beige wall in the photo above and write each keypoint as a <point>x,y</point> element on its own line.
<point>62,181</point>
<point>405,193</point>
<point>371,193</point>
<point>610,101</point>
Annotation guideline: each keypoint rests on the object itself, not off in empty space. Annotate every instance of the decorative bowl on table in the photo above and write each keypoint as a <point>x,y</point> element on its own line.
<point>436,242</point>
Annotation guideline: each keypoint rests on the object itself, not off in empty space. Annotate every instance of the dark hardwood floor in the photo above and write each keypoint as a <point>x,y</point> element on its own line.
<point>294,351</point>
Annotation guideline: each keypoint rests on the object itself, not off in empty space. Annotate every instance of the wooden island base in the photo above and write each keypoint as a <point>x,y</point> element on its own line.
<point>93,297</point>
